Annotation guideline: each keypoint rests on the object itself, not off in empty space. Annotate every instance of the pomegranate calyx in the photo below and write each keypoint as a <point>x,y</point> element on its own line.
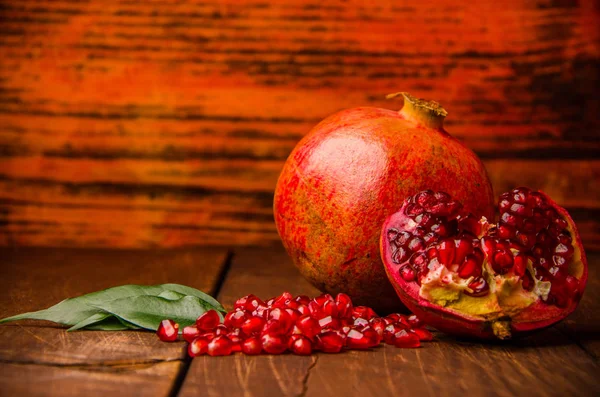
<point>422,111</point>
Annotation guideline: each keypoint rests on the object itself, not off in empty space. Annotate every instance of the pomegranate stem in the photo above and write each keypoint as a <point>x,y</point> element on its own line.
<point>423,112</point>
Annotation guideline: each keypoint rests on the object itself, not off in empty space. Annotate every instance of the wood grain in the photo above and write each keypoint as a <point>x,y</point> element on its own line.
<point>545,364</point>
<point>36,380</point>
<point>41,358</point>
<point>173,119</point>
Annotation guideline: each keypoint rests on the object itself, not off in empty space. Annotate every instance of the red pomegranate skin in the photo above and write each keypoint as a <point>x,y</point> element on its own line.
<point>346,176</point>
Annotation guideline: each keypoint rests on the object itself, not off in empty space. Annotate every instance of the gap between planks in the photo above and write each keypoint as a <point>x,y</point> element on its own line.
<point>187,360</point>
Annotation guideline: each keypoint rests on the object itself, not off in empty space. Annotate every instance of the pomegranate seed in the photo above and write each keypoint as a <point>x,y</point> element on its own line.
<point>446,249</point>
<point>469,267</point>
<point>300,345</point>
<point>248,303</point>
<point>360,323</point>
<point>406,338</point>
<point>363,339</point>
<point>198,347</point>
<point>273,327</point>
<point>190,333</point>
<point>330,341</point>
<point>252,346</point>
<point>392,318</point>
<point>363,312</point>
<point>378,324</point>
<point>282,316</point>
<point>308,326</point>
<point>167,331</point>
<point>208,320</point>
<point>236,341</point>
<point>479,287</point>
<point>208,335</point>
<point>329,322</point>
<point>220,346</point>
<point>520,265</point>
<point>302,300</point>
<point>343,305</point>
<point>294,314</point>
<point>423,334</point>
<point>408,273</point>
<point>464,246</point>
<point>400,255</point>
<point>281,301</point>
<point>391,330</point>
<point>414,321</point>
<point>236,318</point>
<point>252,325</point>
<point>221,329</point>
<point>273,343</point>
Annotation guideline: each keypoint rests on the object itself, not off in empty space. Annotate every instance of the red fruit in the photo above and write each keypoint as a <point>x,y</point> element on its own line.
<point>330,341</point>
<point>349,173</point>
<point>236,341</point>
<point>252,325</point>
<point>389,333</point>
<point>208,335</point>
<point>406,338</point>
<point>282,317</point>
<point>220,346</point>
<point>167,331</point>
<point>190,333</point>
<point>208,320</point>
<point>274,327</point>
<point>236,318</point>
<point>414,321</point>
<point>300,344</point>
<point>221,329</point>
<point>423,334</point>
<point>343,305</point>
<point>248,303</point>
<point>198,346</point>
<point>362,339</point>
<point>273,343</point>
<point>329,323</point>
<point>378,324</point>
<point>363,312</point>
<point>252,346</point>
<point>308,326</point>
<point>537,280</point>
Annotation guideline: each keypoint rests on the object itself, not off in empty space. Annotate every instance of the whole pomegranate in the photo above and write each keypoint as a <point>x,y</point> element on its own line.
<point>467,277</point>
<point>349,173</point>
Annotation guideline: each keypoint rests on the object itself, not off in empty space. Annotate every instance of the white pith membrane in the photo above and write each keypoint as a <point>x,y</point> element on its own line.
<point>507,299</point>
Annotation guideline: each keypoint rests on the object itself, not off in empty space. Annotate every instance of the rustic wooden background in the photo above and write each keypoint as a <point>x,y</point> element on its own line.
<point>142,123</point>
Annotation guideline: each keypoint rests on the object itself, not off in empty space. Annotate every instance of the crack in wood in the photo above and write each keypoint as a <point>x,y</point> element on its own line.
<point>307,376</point>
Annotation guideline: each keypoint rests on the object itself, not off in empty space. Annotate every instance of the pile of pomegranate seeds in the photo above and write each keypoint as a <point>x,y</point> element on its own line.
<point>529,230</point>
<point>297,324</point>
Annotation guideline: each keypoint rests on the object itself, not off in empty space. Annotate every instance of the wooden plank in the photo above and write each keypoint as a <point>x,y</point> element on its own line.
<point>265,273</point>
<point>47,359</point>
<point>38,380</point>
<point>583,325</point>
<point>548,363</point>
<point>156,99</point>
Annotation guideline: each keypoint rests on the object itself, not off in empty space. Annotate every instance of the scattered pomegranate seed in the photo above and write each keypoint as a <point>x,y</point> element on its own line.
<point>252,346</point>
<point>300,325</point>
<point>198,346</point>
<point>208,320</point>
<point>167,330</point>
<point>220,346</point>
<point>273,343</point>
<point>190,333</point>
<point>300,344</point>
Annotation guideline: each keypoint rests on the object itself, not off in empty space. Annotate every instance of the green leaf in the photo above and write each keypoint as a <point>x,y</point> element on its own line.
<point>91,320</point>
<point>86,311</point>
<point>148,311</point>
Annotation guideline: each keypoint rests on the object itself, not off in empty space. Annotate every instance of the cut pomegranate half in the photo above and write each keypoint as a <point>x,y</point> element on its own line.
<point>465,276</point>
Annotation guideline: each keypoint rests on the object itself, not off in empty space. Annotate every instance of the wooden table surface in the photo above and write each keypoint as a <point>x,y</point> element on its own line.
<point>39,358</point>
